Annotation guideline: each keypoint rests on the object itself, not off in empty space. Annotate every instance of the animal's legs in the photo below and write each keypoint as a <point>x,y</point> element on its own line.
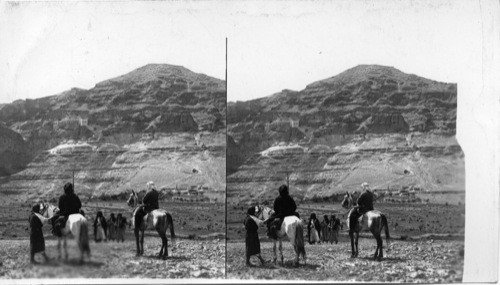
<point>297,254</point>
<point>136,233</point>
<point>375,255</point>
<point>353,251</point>
<point>281,252</point>
<point>356,238</point>
<point>160,254</point>
<point>80,248</point>
<point>165,252</point>
<point>162,249</point>
<point>274,251</point>
<point>59,248</point>
<point>142,242</point>
<point>381,254</point>
<point>378,251</point>
<point>65,244</point>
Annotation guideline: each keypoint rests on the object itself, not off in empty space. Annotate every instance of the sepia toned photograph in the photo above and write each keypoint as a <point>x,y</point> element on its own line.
<point>112,130</point>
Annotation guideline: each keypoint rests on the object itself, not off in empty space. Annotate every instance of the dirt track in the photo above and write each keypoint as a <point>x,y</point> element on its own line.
<point>422,261</point>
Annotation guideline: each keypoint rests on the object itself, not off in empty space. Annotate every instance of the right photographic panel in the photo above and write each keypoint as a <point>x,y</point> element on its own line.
<point>342,157</point>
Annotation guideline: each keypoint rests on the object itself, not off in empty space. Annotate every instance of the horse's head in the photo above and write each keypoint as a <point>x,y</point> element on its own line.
<point>262,212</point>
<point>47,210</point>
<point>132,199</point>
<point>347,202</point>
<point>43,209</point>
<point>258,211</point>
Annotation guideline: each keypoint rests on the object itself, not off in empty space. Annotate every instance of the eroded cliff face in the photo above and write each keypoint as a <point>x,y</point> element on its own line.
<point>364,124</point>
<point>126,118</point>
<point>13,151</point>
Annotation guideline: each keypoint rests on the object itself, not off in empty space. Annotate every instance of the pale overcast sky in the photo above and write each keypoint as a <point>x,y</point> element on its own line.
<point>47,48</point>
<point>276,46</point>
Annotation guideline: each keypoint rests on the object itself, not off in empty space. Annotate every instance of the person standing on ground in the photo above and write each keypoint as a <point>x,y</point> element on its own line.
<point>252,242</point>
<point>37,241</point>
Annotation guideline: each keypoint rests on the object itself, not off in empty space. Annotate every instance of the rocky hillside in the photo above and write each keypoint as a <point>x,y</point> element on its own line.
<point>370,123</point>
<point>159,122</point>
<point>13,151</point>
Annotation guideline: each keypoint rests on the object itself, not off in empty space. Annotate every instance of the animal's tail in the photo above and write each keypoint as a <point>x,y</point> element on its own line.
<point>299,240</point>
<point>386,226</point>
<point>170,222</point>
<point>84,238</point>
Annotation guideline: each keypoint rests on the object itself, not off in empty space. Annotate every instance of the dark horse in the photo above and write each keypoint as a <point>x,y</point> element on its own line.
<point>374,221</point>
<point>159,220</point>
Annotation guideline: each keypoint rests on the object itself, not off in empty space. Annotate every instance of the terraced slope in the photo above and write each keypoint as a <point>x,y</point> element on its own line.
<point>370,123</point>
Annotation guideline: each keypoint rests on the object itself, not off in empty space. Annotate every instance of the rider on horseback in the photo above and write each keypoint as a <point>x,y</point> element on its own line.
<point>69,203</point>
<point>364,203</point>
<point>365,200</point>
<point>284,206</point>
<point>150,202</point>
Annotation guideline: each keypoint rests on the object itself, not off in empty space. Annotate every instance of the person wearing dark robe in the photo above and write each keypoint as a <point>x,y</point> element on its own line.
<point>150,202</point>
<point>284,206</point>
<point>325,233</point>
<point>334,229</point>
<point>151,198</point>
<point>313,229</point>
<point>365,200</point>
<point>111,223</point>
<point>252,243</point>
<point>363,204</point>
<point>37,241</point>
<point>69,203</point>
<point>100,227</point>
<point>121,225</point>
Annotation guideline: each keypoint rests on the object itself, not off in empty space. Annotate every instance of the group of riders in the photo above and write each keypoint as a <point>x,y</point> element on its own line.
<point>284,206</point>
<point>69,203</point>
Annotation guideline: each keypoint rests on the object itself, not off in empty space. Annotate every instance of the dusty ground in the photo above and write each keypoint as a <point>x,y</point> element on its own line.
<point>427,246</point>
<point>199,251</point>
<point>188,259</point>
<point>423,261</point>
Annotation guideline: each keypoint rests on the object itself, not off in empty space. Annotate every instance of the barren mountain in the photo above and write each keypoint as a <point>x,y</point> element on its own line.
<point>159,122</point>
<point>370,123</point>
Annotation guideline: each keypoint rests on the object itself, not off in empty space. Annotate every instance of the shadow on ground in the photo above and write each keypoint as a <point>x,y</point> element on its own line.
<point>385,259</point>
<point>286,265</point>
<point>73,262</point>
<point>175,257</point>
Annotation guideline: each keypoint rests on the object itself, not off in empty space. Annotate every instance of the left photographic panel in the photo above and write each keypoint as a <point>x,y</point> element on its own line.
<point>112,141</point>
